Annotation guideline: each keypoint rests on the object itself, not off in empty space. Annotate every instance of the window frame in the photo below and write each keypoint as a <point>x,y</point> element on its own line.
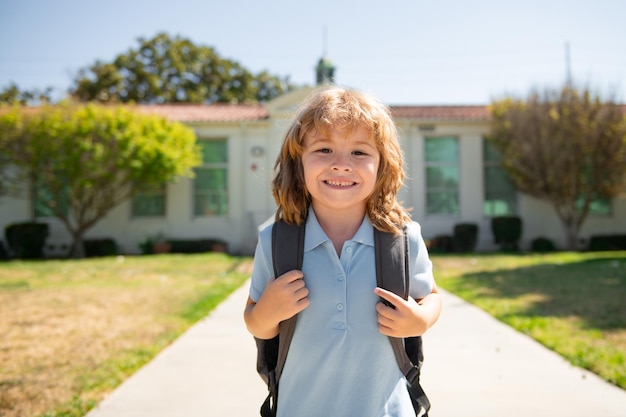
<point>455,164</point>
<point>212,166</point>
<point>490,164</point>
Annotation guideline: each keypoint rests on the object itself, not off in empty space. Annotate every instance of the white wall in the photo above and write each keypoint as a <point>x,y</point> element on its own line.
<point>253,147</point>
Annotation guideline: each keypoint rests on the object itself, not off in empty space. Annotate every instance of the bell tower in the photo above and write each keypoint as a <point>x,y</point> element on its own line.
<point>325,70</point>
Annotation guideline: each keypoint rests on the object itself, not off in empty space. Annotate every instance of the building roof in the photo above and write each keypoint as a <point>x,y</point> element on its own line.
<point>207,113</point>
<point>441,113</point>
<point>250,112</point>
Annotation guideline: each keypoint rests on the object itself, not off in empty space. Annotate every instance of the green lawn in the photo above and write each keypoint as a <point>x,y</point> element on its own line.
<point>573,303</point>
<point>72,330</point>
<point>75,329</point>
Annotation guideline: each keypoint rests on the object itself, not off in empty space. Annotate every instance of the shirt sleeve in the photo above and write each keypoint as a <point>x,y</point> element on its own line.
<point>421,267</point>
<point>262,267</point>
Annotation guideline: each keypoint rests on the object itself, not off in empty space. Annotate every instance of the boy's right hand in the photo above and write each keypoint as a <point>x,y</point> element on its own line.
<point>283,297</point>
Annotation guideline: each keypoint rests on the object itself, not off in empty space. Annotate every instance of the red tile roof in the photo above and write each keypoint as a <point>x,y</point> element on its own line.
<point>441,113</point>
<point>248,112</point>
<point>207,113</point>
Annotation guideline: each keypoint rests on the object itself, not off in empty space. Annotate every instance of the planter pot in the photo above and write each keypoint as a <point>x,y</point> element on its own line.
<point>163,247</point>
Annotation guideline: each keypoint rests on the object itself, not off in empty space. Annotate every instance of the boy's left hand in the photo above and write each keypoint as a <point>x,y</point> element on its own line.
<point>405,320</point>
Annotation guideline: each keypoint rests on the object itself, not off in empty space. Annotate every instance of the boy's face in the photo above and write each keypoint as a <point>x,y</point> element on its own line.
<point>340,168</point>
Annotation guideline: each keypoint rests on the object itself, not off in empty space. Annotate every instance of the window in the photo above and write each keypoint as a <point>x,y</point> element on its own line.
<point>211,182</point>
<point>442,175</point>
<point>500,197</point>
<point>43,198</point>
<point>598,207</point>
<point>149,202</point>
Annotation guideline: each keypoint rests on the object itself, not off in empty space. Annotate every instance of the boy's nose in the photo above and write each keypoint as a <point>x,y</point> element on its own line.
<point>341,163</point>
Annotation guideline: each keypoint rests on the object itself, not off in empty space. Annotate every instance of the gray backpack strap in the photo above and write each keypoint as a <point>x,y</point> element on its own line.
<point>287,255</point>
<point>393,274</point>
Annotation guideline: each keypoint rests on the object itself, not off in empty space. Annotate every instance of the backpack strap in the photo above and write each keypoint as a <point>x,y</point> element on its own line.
<point>287,255</point>
<point>393,274</point>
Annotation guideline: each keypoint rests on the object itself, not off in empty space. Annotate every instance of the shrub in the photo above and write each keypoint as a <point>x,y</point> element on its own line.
<point>4,254</point>
<point>100,247</point>
<point>542,244</point>
<point>465,237</point>
<point>27,240</point>
<point>507,232</point>
<point>197,245</point>
<point>607,242</point>
<point>440,244</point>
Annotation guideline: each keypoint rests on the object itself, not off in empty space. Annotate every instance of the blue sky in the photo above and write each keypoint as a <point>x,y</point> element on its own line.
<point>405,52</point>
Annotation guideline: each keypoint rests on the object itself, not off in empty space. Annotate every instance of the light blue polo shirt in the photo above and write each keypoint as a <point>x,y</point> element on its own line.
<point>339,364</point>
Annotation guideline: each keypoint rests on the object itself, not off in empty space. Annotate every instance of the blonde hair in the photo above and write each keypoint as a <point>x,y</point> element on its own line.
<point>337,107</point>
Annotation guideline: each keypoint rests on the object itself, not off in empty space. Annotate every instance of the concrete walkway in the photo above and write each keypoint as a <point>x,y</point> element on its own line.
<point>474,366</point>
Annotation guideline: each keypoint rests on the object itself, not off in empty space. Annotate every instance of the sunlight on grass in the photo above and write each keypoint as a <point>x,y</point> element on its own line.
<point>73,330</point>
<point>572,303</point>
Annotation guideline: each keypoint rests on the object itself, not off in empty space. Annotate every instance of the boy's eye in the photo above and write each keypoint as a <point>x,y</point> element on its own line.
<point>359,153</point>
<point>324,150</point>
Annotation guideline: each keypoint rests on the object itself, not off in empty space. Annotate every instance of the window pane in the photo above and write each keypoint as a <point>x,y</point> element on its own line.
<point>150,201</point>
<point>442,150</point>
<point>442,176</point>
<point>213,151</point>
<point>43,198</point>
<point>500,194</point>
<point>148,205</point>
<point>442,202</point>
<point>599,206</point>
<point>211,203</point>
<point>490,153</point>
<point>497,179</point>
<point>211,197</point>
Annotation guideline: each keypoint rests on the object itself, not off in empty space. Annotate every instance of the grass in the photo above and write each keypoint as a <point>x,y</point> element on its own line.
<point>573,303</point>
<point>73,330</point>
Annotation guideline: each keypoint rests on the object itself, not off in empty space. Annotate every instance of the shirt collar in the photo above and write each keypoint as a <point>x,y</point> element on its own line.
<point>315,236</point>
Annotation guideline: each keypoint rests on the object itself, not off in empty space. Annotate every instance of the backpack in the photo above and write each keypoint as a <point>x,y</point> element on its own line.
<point>392,274</point>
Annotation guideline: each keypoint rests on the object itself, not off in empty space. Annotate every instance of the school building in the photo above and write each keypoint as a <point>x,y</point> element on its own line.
<point>453,177</point>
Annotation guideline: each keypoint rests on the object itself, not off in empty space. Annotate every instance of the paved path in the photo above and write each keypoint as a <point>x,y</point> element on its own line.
<point>475,366</point>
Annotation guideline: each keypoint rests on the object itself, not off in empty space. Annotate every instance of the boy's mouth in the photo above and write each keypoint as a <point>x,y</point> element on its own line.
<point>335,183</point>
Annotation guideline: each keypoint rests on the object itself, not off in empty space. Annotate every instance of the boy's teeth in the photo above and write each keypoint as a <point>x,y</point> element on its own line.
<point>339,183</point>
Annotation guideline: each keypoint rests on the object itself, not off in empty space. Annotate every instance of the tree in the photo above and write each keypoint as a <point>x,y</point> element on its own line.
<point>82,161</point>
<point>566,146</point>
<point>166,70</point>
<point>13,95</point>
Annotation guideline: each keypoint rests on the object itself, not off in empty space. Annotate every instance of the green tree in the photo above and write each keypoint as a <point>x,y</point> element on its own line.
<point>11,94</point>
<point>171,70</point>
<point>566,146</point>
<point>83,160</point>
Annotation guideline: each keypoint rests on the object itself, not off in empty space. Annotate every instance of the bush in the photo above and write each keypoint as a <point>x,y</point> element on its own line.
<point>27,240</point>
<point>607,242</point>
<point>100,247</point>
<point>197,245</point>
<point>542,245</point>
<point>4,254</point>
<point>507,232</point>
<point>465,237</point>
<point>440,244</point>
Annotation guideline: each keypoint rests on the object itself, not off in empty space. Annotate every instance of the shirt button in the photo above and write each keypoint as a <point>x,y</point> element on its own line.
<point>339,306</point>
<point>340,277</point>
<point>349,250</point>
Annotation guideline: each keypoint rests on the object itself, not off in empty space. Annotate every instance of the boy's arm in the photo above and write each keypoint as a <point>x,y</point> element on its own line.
<point>283,298</point>
<point>409,317</point>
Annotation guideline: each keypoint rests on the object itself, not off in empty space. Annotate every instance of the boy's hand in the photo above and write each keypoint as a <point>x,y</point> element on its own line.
<point>283,297</point>
<point>405,320</point>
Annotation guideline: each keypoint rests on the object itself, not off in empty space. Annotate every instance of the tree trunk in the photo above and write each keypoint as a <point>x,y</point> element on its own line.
<point>571,230</point>
<point>78,249</point>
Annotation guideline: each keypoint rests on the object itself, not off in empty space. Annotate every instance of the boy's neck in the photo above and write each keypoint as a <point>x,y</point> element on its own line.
<point>339,226</point>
